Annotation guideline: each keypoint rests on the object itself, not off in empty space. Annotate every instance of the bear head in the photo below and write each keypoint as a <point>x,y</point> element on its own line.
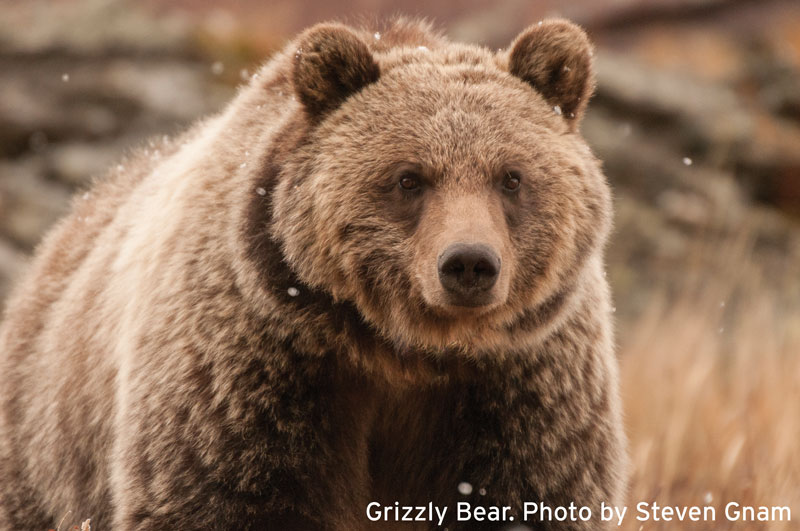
<point>443,190</point>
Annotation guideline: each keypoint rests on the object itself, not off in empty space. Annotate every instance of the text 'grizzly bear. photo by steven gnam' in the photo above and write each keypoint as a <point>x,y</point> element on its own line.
<point>370,290</point>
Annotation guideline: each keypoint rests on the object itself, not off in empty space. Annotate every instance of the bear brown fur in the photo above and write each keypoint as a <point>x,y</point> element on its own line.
<point>249,327</point>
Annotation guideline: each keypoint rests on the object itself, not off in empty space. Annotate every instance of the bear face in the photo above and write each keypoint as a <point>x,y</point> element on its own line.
<point>445,193</point>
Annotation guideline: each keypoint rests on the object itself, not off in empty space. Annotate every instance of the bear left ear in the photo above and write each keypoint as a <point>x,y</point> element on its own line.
<point>555,58</point>
<point>330,64</point>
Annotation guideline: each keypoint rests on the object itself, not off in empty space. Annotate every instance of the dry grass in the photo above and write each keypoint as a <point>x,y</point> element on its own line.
<point>711,384</point>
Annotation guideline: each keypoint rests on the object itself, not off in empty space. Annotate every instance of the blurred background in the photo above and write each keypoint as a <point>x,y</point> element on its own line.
<point>696,116</point>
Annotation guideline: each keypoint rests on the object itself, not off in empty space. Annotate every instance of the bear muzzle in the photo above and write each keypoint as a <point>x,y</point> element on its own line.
<point>468,272</point>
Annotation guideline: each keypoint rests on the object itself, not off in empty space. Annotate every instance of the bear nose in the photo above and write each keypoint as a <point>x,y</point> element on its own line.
<point>468,272</point>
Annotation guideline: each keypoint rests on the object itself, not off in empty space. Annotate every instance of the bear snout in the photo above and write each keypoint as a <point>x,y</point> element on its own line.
<point>468,272</point>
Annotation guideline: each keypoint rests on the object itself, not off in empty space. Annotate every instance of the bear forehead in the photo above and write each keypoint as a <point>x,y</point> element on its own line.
<point>450,54</point>
<point>455,102</point>
<point>464,131</point>
<point>456,78</point>
<point>449,108</point>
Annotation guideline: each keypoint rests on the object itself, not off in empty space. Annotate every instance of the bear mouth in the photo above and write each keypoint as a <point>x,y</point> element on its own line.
<point>457,306</point>
<point>471,303</point>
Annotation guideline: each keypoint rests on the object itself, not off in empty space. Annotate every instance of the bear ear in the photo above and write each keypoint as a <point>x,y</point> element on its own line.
<point>555,58</point>
<point>330,64</point>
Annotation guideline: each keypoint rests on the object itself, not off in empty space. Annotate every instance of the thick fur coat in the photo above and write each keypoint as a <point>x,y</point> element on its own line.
<point>246,327</point>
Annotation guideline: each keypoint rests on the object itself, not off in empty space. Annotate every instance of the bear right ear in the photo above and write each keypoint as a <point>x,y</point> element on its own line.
<point>555,58</point>
<point>331,63</point>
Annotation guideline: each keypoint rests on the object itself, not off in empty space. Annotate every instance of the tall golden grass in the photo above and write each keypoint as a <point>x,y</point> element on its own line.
<point>711,386</point>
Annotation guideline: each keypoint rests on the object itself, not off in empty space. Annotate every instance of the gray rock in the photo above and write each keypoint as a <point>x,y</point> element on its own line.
<point>29,204</point>
<point>88,27</point>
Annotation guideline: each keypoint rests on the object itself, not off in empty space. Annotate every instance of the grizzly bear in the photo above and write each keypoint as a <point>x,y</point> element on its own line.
<point>373,282</point>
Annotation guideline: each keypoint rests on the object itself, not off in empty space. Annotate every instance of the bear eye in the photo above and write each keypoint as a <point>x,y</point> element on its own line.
<point>511,181</point>
<point>409,182</point>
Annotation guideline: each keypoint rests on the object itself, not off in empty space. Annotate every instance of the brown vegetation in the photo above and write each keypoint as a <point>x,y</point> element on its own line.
<point>710,385</point>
